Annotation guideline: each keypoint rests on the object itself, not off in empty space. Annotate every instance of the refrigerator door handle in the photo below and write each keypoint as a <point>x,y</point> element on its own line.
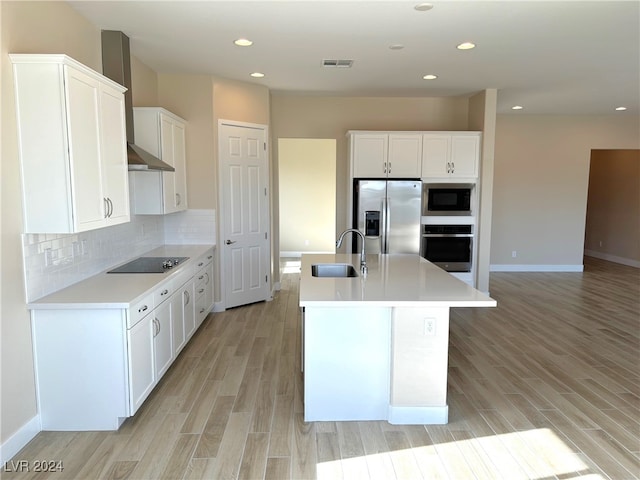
<point>383,226</point>
<point>384,246</point>
<point>387,227</point>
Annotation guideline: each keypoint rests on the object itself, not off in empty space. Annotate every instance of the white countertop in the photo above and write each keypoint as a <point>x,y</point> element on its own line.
<point>122,289</point>
<point>392,280</point>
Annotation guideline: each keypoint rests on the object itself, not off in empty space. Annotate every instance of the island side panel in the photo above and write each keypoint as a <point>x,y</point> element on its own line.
<point>420,344</point>
<point>346,363</point>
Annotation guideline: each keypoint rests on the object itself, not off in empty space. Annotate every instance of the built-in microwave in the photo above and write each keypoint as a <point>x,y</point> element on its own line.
<point>447,199</point>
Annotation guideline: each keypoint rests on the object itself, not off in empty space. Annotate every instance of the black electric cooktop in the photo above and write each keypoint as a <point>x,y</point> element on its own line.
<point>149,265</point>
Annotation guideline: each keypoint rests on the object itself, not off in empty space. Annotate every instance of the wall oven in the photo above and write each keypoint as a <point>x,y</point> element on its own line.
<point>448,246</point>
<point>447,199</point>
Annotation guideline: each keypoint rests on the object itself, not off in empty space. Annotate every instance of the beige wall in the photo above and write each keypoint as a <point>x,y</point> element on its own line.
<point>331,117</point>
<point>482,117</point>
<point>307,194</point>
<point>27,27</point>
<point>540,183</point>
<point>144,85</point>
<point>613,205</point>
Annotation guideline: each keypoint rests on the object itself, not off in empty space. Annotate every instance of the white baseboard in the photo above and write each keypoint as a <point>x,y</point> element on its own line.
<point>218,307</point>
<point>535,268</point>
<point>294,254</point>
<point>418,415</point>
<point>18,440</point>
<point>612,258</point>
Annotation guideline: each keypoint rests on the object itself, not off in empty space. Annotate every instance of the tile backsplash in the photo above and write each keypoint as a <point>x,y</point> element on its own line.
<point>55,261</point>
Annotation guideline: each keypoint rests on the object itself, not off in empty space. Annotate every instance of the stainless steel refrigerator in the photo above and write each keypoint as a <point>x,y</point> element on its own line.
<point>388,213</point>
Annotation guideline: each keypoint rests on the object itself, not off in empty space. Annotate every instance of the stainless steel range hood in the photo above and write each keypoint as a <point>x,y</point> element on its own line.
<point>116,65</point>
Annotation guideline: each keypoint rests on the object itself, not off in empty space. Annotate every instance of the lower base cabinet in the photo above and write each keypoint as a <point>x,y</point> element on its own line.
<point>96,367</point>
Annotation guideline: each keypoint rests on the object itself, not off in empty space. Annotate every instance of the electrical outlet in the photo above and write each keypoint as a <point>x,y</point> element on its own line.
<point>429,327</point>
<point>514,254</point>
<point>306,243</point>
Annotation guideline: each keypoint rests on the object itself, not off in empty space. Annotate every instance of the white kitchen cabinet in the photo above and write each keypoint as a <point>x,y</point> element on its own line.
<point>111,358</point>
<point>385,155</point>
<point>447,155</point>
<point>162,339</point>
<point>161,133</point>
<point>204,288</point>
<point>188,309</point>
<point>71,144</point>
<point>142,373</point>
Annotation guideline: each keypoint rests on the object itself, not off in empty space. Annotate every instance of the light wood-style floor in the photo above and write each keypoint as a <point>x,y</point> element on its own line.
<point>545,386</point>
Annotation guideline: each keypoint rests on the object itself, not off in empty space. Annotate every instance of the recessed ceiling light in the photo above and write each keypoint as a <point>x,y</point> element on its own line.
<point>466,46</point>
<point>430,77</point>
<point>243,42</point>
<point>621,109</point>
<point>257,75</point>
<point>517,107</point>
<point>396,46</point>
<point>423,7</point>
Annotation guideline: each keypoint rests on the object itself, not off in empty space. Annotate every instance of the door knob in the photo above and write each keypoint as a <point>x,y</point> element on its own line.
<point>229,242</point>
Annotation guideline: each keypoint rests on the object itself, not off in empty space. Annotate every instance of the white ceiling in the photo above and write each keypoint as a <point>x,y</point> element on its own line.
<point>551,57</point>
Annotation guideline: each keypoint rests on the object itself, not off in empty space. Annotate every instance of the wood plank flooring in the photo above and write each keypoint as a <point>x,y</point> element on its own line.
<point>545,386</point>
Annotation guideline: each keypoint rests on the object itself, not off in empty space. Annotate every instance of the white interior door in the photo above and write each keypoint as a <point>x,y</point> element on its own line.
<point>244,207</point>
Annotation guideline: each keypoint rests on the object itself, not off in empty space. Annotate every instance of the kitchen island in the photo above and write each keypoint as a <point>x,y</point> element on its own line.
<point>375,347</point>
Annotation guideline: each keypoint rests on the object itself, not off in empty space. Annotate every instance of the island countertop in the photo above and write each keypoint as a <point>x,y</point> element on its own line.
<point>392,281</point>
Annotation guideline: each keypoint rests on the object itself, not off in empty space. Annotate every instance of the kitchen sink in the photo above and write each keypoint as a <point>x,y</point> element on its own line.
<point>333,270</point>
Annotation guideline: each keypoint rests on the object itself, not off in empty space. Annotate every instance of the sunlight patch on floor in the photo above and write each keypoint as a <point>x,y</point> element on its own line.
<point>290,266</point>
<point>533,454</point>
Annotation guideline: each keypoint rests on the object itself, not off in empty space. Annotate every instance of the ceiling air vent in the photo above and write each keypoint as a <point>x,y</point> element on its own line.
<point>337,63</point>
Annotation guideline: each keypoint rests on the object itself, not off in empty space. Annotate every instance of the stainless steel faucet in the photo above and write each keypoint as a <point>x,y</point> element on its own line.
<point>363,255</point>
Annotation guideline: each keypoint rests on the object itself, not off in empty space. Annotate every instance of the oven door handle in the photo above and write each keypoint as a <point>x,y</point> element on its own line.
<point>452,235</point>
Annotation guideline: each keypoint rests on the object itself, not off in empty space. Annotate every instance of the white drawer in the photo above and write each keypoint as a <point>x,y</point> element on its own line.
<point>139,310</point>
<point>163,292</point>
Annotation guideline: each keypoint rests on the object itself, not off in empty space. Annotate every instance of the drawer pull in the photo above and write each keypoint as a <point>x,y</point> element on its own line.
<point>201,264</point>
<point>143,309</point>
<point>202,310</point>
<point>164,292</point>
<point>201,290</point>
<point>209,257</point>
<point>200,277</point>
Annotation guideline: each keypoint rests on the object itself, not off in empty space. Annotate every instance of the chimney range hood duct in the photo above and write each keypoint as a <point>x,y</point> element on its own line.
<point>116,65</point>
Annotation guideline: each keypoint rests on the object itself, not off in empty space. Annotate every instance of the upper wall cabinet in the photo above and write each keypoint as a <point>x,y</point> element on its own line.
<point>449,155</point>
<point>71,144</point>
<point>385,155</point>
<point>161,133</point>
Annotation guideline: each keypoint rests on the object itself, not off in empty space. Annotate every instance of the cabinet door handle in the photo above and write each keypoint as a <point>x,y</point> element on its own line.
<point>389,169</point>
<point>106,207</point>
<point>187,298</point>
<point>110,207</point>
<point>178,199</point>
<point>453,167</point>
<point>207,275</point>
<point>384,167</point>
<point>156,327</point>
